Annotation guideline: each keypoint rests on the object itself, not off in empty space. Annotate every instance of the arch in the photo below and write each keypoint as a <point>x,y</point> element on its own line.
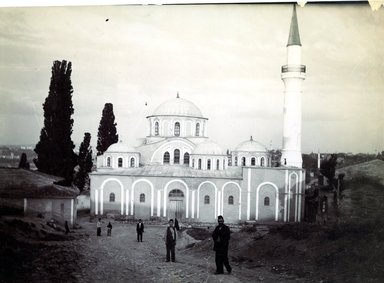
<point>102,186</point>
<point>218,164</point>
<point>199,161</point>
<point>186,158</point>
<point>132,162</point>
<point>197,132</point>
<point>276,199</point>
<point>253,161</point>
<point>177,129</point>
<point>209,164</point>
<point>133,194</point>
<point>176,193</point>
<point>166,157</point>
<point>243,161</point>
<point>293,194</point>
<point>236,160</point>
<point>176,156</point>
<point>156,128</point>
<point>108,161</point>
<point>166,147</point>
<point>262,161</point>
<point>198,197</point>
<point>166,197</point>
<point>222,200</point>
<point>120,162</point>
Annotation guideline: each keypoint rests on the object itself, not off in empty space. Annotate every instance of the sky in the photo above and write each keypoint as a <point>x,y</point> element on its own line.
<point>226,59</point>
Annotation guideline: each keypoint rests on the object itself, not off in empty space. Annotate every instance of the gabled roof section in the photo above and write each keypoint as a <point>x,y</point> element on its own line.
<point>294,35</point>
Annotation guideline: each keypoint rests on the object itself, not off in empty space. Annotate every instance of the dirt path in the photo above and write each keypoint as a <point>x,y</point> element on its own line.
<point>121,258</point>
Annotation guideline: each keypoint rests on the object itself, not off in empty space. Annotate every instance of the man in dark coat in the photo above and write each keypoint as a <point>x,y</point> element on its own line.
<point>221,236</point>
<point>140,231</point>
<point>170,241</point>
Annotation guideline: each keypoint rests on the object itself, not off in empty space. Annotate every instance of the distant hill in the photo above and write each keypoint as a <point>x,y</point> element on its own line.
<point>372,169</point>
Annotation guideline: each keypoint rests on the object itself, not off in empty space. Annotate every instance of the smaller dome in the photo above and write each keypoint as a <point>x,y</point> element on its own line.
<point>120,147</point>
<point>251,146</point>
<point>208,148</point>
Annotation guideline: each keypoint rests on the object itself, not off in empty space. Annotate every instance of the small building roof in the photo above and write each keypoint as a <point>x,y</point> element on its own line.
<point>120,147</point>
<point>251,146</point>
<point>20,183</point>
<point>208,148</point>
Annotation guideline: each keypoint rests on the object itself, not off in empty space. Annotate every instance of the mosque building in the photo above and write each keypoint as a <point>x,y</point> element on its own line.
<point>178,172</point>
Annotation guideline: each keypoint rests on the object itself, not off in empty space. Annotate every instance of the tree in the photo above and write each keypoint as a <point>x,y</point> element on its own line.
<point>54,151</point>
<point>85,163</point>
<point>328,168</point>
<point>107,133</point>
<point>24,164</point>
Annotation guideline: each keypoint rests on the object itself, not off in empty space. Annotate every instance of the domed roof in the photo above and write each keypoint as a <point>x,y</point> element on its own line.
<point>208,148</point>
<point>120,147</point>
<point>251,145</point>
<point>178,107</point>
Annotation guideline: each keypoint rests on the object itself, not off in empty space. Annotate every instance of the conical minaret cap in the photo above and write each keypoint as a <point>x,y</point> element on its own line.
<point>294,35</point>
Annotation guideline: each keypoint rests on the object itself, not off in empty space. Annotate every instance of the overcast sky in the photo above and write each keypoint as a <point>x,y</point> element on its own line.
<point>224,58</point>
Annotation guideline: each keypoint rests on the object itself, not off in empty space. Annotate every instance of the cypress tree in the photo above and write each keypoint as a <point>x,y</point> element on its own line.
<point>85,163</point>
<point>54,151</point>
<point>107,133</point>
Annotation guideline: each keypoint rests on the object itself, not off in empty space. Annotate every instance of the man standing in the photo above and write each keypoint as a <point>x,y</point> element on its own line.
<point>98,226</point>
<point>170,241</point>
<point>140,231</point>
<point>221,236</point>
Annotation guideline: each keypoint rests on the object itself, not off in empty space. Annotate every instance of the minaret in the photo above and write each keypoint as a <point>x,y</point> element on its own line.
<point>292,75</point>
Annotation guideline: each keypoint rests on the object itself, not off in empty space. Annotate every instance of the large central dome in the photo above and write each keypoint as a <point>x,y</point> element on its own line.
<point>178,107</point>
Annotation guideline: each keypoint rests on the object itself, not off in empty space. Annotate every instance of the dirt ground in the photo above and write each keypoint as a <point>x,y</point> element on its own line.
<point>31,251</point>
<point>37,253</point>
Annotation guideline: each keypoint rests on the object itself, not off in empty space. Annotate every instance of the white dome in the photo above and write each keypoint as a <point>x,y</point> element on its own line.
<point>208,148</point>
<point>178,107</point>
<point>251,146</point>
<point>120,147</point>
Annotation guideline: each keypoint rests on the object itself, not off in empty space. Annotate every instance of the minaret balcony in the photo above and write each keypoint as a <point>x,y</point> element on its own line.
<point>293,68</point>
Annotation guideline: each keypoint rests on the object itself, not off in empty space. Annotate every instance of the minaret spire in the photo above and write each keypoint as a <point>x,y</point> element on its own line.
<point>294,35</point>
<point>292,74</point>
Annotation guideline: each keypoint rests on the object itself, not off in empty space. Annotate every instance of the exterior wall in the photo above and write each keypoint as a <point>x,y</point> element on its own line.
<point>59,209</point>
<point>83,202</point>
<point>283,187</point>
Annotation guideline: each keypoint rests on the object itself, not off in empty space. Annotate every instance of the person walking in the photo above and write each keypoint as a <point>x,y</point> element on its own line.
<point>98,226</point>
<point>109,229</point>
<point>177,227</point>
<point>140,231</point>
<point>221,236</point>
<point>170,241</point>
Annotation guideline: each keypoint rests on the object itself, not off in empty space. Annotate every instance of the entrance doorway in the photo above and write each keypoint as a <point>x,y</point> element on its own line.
<point>176,204</point>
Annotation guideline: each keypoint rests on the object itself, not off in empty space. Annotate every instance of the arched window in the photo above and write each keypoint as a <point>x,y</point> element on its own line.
<point>156,128</point>
<point>266,201</point>
<point>186,158</point>
<point>120,162</point>
<point>230,200</point>
<point>108,161</point>
<point>262,161</point>
<point>217,164</point>
<point>176,156</point>
<point>132,162</point>
<point>177,129</point>
<point>111,197</point>
<point>243,161</point>
<point>176,193</point>
<point>197,130</point>
<point>253,161</point>
<point>236,161</point>
<point>206,200</point>
<point>142,197</point>
<point>193,163</point>
<point>209,164</point>
<point>166,158</point>
<point>199,163</point>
